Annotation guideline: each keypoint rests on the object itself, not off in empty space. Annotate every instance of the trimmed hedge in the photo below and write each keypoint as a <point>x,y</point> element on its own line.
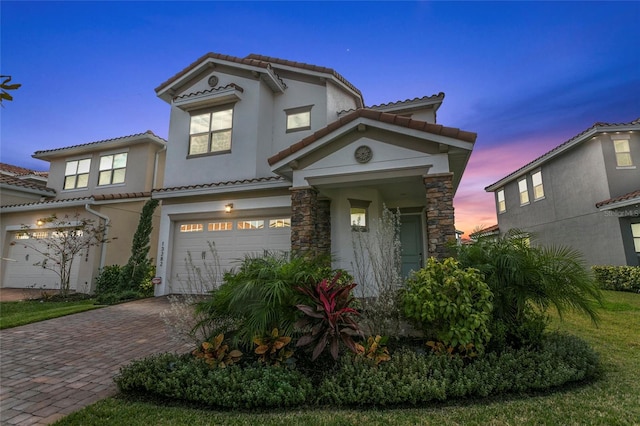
<point>408,378</point>
<point>619,278</point>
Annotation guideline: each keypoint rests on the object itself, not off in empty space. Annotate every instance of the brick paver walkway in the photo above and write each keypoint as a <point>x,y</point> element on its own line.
<point>52,368</point>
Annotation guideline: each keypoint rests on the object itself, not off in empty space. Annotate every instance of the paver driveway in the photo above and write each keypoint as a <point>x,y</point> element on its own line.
<point>52,368</point>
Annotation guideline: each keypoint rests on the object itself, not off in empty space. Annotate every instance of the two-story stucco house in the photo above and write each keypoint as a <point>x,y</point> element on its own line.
<point>270,154</point>
<point>108,181</point>
<point>585,193</point>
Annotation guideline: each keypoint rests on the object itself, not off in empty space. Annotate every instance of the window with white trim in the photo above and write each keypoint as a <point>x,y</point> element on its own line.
<point>502,205</point>
<point>76,174</point>
<point>210,132</point>
<point>299,118</point>
<point>635,231</point>
<point>538,188</point>
<point>359,214</point>
<point>623,152</point>
<point>219,226</point>
<point>191,227</point>
<point>280,223</point>
<point>112,169</point>
<point>524,191</point>
<point>251,224</point>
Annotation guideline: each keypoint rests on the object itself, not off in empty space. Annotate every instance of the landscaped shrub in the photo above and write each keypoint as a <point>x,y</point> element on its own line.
<point>521,275</point>
<point>414,378</point>
<point>450,304</point>
<point>189,379</point>
<point>109,288</point>
<point>261,296</point>
<point>619,278</point>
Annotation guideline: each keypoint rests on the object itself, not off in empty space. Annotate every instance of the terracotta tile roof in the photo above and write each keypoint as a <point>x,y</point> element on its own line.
<point>148,132</point>
<point>211,55</point>
<point>439,96</point>
<point>485,231</point>
<point>384,117</point>
<point>304,66</point>
<point>625,197</point>
<point>215,89</point>
<point>26,184</point>
<point>20,171</point>
<point>220,184</point>
<point>101,197</point>
<point>597,127</point>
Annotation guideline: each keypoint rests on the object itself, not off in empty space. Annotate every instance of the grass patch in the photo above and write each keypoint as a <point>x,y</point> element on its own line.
<point>13,314</point>
<point>612,400</point>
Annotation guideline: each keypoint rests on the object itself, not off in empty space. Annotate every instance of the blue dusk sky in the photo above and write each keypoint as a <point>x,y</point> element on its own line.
<point>525,76</point>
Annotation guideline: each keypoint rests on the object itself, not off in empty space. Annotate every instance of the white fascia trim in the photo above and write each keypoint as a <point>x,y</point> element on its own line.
<point>256,186</point>
<point>620,204</point>
<point>46,206</point>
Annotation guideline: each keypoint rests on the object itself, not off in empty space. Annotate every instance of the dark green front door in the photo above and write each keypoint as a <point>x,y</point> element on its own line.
<point>411,240</point>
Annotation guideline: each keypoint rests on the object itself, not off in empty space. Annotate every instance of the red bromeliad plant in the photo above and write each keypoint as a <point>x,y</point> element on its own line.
<point>330,320</point>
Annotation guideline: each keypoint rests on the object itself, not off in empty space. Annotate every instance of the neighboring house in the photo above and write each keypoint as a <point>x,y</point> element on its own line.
<point>270,154</point>
<point>585,193</point>
<point>19,185</point>
<point>105,181</point>
<point>489,232</point>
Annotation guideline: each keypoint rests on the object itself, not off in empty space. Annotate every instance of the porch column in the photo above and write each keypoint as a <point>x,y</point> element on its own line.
<point>323,228</point>
<point>304,207</point>
<point>440,221</point>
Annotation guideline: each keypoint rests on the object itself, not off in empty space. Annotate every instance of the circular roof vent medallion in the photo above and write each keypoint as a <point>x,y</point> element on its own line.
<point>363,154</point>
<point>213,80</point>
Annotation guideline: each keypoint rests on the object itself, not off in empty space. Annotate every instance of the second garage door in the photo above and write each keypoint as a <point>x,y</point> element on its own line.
<point>202,250</point>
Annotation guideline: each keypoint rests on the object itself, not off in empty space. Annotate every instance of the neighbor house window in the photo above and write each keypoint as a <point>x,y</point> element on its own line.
<point>359,214</point>
<point>210,132</point>
<point>191,227</point>
<point>524,191</point>
<point>538,189</point>
<point>635,231</point>
<point>76,174</point>
<point>112,169</point>
<point>280,223</point>
<point>623,153</point>
<point>502,206</point>
<point>299,118</point>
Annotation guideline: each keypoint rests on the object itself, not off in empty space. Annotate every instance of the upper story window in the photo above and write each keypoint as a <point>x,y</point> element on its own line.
<point>538,189</point>
<point>299,118</point>
<point>623,152</point>
<point>112,169</point>
<point>524,191</point>
<point>210,133</point>
<point>76,174</point>
<point>502,205</point>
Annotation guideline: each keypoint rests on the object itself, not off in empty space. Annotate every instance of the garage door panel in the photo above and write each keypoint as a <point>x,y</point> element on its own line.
<point>232,241</point>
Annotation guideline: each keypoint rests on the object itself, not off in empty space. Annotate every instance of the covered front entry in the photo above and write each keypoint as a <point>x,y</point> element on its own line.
<point>204,249</point>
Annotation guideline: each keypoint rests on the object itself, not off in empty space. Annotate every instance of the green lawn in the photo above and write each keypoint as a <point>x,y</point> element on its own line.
<point>13,314</point>
<point>612,400</point>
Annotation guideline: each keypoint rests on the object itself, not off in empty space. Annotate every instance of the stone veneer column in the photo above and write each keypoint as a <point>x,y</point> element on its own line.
<point>304,206</point>
<point>440,221</point>
<point>323,228</point>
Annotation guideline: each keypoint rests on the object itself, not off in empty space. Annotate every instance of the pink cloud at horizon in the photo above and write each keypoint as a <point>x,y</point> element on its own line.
<point>474,207</point>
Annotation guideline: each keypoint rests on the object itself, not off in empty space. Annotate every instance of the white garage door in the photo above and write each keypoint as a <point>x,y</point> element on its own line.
<point>20,271</point>
<point>231,240</point>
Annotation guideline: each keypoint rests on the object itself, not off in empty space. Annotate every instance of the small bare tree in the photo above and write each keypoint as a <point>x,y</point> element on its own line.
<point>61,241</point>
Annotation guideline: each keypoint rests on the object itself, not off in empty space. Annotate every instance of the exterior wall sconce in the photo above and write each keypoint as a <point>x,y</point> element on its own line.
<point>228,207</point>
<point>39,222</point>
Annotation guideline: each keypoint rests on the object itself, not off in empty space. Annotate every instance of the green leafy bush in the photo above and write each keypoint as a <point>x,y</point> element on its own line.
<point>108,280</point>
<point>414,378</point>
<point>261,296</point>
<point>189,379</point>
<point>450,304</point>
<point>618,278</point>
<point>521,275</point>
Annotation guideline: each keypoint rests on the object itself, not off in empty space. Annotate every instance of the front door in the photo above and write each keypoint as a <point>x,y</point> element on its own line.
<point>411,240</point>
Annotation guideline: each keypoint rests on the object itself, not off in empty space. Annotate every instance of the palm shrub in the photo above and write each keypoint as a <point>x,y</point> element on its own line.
<point>261,295</point>
<point>526,280</point>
